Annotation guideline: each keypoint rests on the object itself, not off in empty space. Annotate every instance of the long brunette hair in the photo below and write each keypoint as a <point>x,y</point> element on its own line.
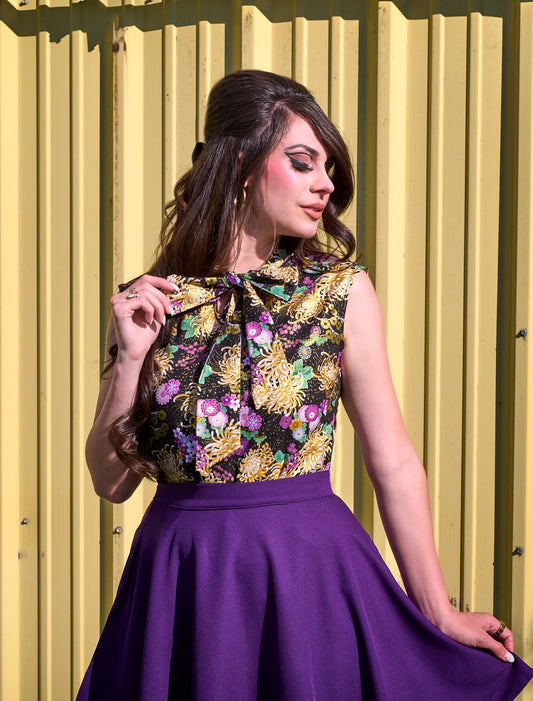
<point>248,113</point>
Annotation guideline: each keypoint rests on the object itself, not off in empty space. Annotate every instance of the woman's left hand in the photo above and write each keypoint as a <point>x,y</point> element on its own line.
<point>480,630</point>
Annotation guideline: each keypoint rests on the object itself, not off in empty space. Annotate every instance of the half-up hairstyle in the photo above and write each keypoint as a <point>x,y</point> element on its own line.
<point>248,113</point>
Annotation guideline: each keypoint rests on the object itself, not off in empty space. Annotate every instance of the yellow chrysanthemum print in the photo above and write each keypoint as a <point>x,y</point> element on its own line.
<point>313,453</point>
<point>170,461</point>
<point>224,444</point>
<point>282,389</point>
<point>205,320</point>
<point>328,373</point>
<point>306,306</point>
<point>230,367</point>
<point>252,391</point>
<point>255,465</point>
<point>163,362</point>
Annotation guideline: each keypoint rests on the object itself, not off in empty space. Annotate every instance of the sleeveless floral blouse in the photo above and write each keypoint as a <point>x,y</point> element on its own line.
<point>251,393</point>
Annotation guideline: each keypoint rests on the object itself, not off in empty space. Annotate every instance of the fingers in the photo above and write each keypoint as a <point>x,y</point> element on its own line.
<point>146,294</point>
<point>159,282</point>
<point>497,649</point>
<point>504,636</point>
<point>482,630</point>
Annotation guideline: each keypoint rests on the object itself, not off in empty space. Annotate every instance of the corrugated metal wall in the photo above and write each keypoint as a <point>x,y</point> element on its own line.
<point>100,106</point>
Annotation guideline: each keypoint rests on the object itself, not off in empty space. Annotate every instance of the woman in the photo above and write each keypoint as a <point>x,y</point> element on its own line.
<point>247,578</point>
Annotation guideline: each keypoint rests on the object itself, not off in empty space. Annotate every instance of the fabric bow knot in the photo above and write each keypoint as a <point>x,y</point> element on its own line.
<point>244,316</point>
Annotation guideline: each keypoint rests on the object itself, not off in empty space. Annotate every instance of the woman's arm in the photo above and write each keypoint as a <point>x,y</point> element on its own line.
<point>398,476</point>
<point>134,326</point>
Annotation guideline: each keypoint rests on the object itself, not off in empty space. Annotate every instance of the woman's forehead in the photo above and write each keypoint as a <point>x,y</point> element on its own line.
<point>300,133</point>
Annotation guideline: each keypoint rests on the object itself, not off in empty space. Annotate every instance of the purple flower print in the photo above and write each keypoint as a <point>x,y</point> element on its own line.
<point>253,329</point>
<point>265,318</point>
<point>254,422</point>
<point>316,330</point>
<point>264,337</point>
<point>201,457</point>
<point>218,420</point>
<point>173,386</point>
<point>323,406</point>
<point>231,400</point>
<point>209,407</point>
<point>291,448</point>
<point>165,392</point>
<point>257,377</point>
<point>244,414</point>
<point>285,421</point>
<point>162,395</point>
<point>309,283</point>
<point>311,412</point>
<point>185,444</point>
<point>244,446</point>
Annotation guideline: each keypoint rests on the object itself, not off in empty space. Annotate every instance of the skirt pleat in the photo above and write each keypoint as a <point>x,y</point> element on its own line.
<point>273,591</point>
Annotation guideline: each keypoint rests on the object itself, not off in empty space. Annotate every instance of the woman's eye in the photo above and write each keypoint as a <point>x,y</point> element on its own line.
<point>299,164</point>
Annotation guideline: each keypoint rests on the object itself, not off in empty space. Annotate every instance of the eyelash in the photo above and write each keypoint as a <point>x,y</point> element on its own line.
<point>299,165</point>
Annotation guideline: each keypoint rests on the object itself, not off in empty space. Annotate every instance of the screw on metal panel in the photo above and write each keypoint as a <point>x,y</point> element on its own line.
<point>521,334</point>
<point>25,521</point>
<point>518,551</point>
<point>117,531</point>
<point>23,2</point>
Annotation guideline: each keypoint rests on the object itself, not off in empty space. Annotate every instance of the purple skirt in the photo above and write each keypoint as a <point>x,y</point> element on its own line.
<point>272,590</point>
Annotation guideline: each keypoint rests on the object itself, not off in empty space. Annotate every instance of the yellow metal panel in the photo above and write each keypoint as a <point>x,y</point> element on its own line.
<point>54,364</point>
<point>400,220</point>
<point>137,106</point>
<point>85,319</point>
<point>266,45</point>
<point>445,291</point>
<point>343,91</point>
<point>115,130</point>
<point>311,48</point>
<point>210,68</point>
<point>481,282</point>
<point>523,473</point>
<point>179,93</point>
<point>19,515</point>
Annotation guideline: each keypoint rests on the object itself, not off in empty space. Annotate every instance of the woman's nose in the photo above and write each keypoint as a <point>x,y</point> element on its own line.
<point>323,182</point>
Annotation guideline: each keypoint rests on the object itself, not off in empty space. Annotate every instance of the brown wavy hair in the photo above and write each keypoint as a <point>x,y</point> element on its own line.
<point>248,113</point>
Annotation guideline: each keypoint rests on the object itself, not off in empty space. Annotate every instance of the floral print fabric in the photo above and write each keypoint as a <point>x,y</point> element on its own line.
<point>251,392</point>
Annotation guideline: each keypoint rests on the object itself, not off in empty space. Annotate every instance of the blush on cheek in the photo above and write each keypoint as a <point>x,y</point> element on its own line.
<point>277,174</point>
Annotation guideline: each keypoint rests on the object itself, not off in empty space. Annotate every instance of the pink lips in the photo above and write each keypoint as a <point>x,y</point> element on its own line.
<point>313,210</point>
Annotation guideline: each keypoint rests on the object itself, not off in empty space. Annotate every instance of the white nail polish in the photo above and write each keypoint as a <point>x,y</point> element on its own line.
<point>509,657</point>
<point>175,286</point>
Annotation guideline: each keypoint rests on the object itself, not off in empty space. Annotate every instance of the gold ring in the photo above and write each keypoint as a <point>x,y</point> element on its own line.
<point>501,628</point>
<point>133,293</point>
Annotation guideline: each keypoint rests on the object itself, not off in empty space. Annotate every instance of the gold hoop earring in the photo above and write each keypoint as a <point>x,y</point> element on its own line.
<point>243,201</point>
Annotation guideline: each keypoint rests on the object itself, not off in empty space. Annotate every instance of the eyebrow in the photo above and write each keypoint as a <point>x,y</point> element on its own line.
<point>312,151</point>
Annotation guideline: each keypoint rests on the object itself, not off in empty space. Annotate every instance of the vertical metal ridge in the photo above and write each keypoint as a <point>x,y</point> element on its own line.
<point>505,372</point>
<point>71,348</point>
<point>465,305</point>
<point>38,345</point>
<point>428,231</point>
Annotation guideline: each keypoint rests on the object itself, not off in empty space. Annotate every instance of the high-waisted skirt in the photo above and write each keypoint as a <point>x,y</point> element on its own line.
<point>273,590</point>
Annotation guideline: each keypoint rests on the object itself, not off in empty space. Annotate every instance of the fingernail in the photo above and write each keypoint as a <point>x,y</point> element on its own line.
<point>509,657</point>
<point>174,286</point>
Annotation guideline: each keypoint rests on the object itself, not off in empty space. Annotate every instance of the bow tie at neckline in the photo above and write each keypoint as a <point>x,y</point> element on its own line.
<point>247,338</point>
<point>276,277</point>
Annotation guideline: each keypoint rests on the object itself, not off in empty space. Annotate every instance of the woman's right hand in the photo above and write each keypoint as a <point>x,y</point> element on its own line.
<point>137,320</point>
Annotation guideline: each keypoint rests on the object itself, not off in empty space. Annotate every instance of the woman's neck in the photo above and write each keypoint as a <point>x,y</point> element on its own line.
<point>250,253</point>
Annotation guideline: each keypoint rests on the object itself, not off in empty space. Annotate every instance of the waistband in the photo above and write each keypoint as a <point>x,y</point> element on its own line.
<point>242,495</point>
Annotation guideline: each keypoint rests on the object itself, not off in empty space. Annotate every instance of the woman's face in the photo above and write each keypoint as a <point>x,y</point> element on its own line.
<point>294,186</point>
